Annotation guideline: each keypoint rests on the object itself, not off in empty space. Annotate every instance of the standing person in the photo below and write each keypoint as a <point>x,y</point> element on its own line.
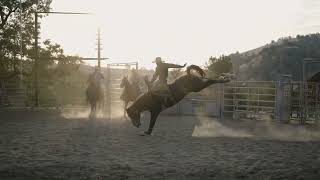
<point>160,87</point>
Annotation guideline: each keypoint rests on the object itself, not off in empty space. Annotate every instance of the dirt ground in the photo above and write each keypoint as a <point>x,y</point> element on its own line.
<point>42,145</point>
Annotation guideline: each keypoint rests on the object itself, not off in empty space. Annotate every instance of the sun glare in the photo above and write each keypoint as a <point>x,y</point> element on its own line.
<point>179,31</point>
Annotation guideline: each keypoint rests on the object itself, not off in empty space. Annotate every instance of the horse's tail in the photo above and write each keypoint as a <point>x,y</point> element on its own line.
<point>196,68</point>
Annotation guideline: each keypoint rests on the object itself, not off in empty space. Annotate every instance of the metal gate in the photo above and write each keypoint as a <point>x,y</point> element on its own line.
<point>20,94</point>
<point>115,73</point>
<point>249,99</point>
<point>305,103</point>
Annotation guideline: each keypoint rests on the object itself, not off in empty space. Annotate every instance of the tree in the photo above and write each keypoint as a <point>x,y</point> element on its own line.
<point>54,64</point>
<point>52,60</point>
<point>282,57</point>
<point>12,18</point>
<point>217,66</point>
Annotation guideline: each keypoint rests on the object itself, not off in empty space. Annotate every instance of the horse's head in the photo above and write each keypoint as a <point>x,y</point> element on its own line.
<point>124,82</point>
<point>134,116</point>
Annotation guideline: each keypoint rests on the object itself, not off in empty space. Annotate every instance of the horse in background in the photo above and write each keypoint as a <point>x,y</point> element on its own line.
<point>130,92</point>
<point>94,92</point>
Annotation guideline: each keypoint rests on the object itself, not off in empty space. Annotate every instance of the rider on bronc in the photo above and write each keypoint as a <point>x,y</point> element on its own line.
<point>160,87</point>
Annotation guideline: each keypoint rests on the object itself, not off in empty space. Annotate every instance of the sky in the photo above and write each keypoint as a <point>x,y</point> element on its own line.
<point>179,31</point>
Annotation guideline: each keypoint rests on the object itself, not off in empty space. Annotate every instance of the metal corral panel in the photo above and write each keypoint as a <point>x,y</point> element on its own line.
<point>212,108</point>
<point>186,107</point>
<point>174,110</point>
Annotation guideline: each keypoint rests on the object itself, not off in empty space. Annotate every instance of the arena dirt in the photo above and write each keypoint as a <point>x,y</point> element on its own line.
<point>44,145</point>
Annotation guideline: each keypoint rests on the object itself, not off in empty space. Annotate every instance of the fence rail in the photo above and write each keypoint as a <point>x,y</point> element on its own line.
<point>235,99</point>
<point>242,99</point>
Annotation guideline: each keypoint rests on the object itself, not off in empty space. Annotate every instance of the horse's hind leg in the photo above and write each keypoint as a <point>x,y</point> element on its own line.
<point>204,84</point>
<point>153,119</point>
<point>93,110</point>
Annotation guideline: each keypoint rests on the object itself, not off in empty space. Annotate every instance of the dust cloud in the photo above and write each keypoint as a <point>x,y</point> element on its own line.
<point>255,129</point>
<point>75,113</point>
<point>212,128</point>
<point>116,116</point>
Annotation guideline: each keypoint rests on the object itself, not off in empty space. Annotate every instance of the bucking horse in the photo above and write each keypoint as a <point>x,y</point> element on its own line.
<point>179,89</point>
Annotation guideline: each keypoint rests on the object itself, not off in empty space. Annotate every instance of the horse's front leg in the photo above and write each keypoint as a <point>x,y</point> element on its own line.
<point>94,108</point>
<point>125,108</point>
<point>153,119</point>
<point>91,110</point>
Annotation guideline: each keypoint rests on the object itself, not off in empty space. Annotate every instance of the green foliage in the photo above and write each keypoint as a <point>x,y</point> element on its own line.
<point>217,66</point>
<point>58,73</point>
<point>12,20</point>
<point>53,63</point>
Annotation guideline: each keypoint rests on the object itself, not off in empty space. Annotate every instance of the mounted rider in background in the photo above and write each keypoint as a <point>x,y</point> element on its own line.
<point>160,87</point>
<point>95,78</point>
<point>135,81</point>
<point>94,81</point>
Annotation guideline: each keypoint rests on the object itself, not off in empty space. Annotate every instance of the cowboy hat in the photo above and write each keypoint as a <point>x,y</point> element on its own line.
<point>158,59</point>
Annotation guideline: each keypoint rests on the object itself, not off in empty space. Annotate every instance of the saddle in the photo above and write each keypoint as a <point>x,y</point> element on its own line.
<point>165,93</point>
<point>161,90</point>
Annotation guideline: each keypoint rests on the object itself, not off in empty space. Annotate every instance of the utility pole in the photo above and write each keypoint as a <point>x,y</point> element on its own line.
<point>21,41</point>
<point>36,58</point>
<point>99,49</point>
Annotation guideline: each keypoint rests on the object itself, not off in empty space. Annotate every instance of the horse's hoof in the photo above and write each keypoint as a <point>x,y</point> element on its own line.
<point>92,116</point>
<point>147,133</point>
<point>137,125</point>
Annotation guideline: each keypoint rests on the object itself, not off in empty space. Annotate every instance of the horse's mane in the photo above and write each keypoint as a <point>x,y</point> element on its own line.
<point>196,68</point>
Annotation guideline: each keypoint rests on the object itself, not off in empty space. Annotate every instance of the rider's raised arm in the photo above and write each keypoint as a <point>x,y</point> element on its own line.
<point>168,65</point>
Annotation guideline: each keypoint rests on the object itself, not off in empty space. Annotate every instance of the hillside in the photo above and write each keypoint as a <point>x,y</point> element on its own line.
<point>281,57</point>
